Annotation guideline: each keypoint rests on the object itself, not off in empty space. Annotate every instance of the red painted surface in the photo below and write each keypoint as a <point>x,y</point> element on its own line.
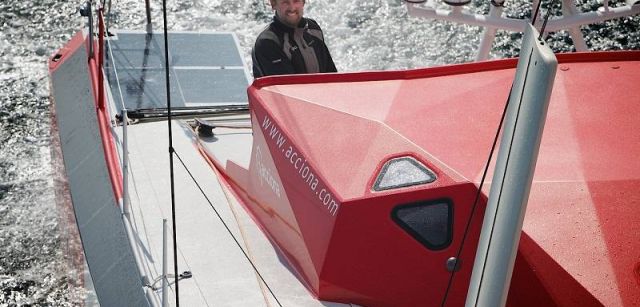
<point>104,124</point>
<point>104,118</point>
<point>57,59</point>
<point>580,244</point>
<point>339,259</point>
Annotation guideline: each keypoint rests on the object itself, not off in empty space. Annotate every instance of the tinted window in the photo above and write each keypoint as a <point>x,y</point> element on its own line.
<point>428,222</point>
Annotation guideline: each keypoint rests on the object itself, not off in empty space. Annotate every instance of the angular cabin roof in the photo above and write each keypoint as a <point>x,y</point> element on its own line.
<point>584,208</point>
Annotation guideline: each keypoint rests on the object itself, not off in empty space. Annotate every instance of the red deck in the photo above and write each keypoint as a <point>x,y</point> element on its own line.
<point>581,240</point>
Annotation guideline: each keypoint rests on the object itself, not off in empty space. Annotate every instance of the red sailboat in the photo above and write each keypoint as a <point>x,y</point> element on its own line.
<point>371,188</point>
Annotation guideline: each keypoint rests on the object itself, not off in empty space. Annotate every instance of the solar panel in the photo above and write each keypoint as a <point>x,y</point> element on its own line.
<point>206,69</point>
<point>205,50</point>
<point>212,85</point>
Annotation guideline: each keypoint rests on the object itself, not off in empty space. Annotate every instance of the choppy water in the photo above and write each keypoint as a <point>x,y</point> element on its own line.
<point>362,35</point>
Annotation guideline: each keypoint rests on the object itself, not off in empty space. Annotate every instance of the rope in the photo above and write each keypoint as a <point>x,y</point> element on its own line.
<point>243,236</point>
<point>227,228</point>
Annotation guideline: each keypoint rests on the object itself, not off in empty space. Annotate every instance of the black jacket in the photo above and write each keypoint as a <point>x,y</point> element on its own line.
<point>281,50</point>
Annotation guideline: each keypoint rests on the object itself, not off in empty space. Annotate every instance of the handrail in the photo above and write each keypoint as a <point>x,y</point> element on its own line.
<point>571,20</point>
<point>125,163</point>
<point>95,63</point>
<point>101,103</point>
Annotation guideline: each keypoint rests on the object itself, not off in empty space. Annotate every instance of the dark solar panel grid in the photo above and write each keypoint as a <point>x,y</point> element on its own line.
<point>206,70</point>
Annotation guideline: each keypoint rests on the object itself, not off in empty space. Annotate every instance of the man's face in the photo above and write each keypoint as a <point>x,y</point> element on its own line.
<point>289,12</point>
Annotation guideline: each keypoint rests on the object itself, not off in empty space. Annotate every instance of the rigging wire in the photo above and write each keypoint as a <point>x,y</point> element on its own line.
<point>171,151</point>
<point>227,228</point>
<point>115,72</point>
<point>109,57</point>
<point>535,15</point>
<point>546,19</point>
<point>544,25</point>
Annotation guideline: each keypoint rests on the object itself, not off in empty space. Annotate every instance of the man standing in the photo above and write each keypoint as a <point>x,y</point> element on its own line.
<point>291,44</point>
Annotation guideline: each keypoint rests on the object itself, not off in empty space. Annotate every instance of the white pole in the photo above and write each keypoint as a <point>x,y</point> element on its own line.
<point>569,9</point>
<point>165,282</point>
<point>125,164</point>
<point>489,34</point>
<point>515,165</point>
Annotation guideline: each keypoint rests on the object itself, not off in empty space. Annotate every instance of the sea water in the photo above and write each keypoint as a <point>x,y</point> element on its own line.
<point>362,35</point>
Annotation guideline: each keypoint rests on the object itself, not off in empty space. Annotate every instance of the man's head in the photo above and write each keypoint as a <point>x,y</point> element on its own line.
<point>288,12</point>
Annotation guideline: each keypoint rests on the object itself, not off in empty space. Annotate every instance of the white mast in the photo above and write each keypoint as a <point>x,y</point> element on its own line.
<point>515,165</point>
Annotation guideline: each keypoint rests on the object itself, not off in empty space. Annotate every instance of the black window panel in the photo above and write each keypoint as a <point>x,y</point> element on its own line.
<point>431,223</point>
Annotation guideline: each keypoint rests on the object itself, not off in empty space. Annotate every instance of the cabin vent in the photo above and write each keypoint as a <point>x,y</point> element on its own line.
<point>428,222</point>
<point>402,172</point>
